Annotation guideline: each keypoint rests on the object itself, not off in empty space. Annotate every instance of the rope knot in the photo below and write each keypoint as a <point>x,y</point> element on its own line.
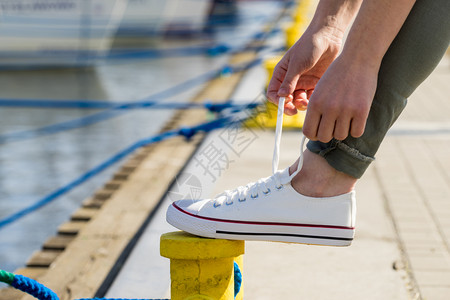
<point>226,71</point>
<point>187,132</point>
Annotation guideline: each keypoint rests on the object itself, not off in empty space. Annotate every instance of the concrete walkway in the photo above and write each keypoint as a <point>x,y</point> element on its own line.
<point>291,271</point>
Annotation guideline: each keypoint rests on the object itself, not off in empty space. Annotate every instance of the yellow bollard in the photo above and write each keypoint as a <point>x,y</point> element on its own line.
<point>201,268</point>
<point>293,32</point>
<point>301,19</point>
<point>269,65</point>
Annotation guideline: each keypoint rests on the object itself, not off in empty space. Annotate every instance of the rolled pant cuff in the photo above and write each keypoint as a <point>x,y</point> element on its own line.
<point>342,157</point>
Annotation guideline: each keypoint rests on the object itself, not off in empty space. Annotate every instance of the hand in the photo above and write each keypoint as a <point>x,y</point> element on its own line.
<point>341,101</point>
<point>296,75</point>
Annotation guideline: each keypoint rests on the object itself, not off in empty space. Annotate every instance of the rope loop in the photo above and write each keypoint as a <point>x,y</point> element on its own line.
<point>33,288</point>
<point>237,279</point>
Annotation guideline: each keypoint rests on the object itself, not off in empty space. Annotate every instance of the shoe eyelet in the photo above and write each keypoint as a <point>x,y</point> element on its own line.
<point>216,205</point>
<point>280,187</point>
<point>266,192</point>
<point>229,203</point>
<point>254,197</point>
<point>242,200</point>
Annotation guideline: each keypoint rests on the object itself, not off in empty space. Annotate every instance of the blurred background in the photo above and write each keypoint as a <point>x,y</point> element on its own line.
<point>59,55</point>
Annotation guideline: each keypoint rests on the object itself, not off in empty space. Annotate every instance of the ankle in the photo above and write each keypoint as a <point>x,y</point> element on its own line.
<point>318,179</point>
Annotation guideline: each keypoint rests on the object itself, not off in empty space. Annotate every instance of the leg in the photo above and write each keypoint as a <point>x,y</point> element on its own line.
<point>412,56</point>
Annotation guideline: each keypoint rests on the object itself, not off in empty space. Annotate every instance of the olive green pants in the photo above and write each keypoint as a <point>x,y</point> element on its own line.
<point>412,56</point>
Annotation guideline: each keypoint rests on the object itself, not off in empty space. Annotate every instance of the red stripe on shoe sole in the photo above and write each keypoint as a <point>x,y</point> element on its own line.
<point>261,223</point>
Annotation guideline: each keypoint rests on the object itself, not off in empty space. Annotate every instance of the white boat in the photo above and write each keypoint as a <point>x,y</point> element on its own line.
<point>57,32</point>
<point>35,33</point>
<point>157,17</point>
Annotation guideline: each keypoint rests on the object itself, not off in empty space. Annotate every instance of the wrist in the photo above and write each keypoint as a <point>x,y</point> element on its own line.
<point>335,15</point>
<point>355,62</point>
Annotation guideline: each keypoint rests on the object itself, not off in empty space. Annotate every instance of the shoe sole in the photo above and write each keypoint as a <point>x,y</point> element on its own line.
<point>259,231</point>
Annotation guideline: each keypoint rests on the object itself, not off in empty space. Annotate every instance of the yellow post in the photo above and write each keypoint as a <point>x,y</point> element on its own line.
<point>269,65</point>
<point>201,268</point>
<point>293,32</point>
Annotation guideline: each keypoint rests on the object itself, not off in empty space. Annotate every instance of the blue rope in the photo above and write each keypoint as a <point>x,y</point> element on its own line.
<point>33,288</point>
<point>107,114</point>
<point>187,132</point>
<point>118,110</point>
<point>237,279</point>
<point>41,292</point>
<point>92,104</point>
<point>211,50</point>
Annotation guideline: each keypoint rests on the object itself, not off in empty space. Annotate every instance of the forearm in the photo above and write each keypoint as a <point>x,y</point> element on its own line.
<point>374,29</point>
<point>335,15</point>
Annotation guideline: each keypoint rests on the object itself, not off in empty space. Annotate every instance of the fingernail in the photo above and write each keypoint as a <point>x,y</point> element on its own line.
<point>283,92</point>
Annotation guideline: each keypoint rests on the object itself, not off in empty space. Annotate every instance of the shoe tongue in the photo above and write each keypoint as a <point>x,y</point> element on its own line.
<point>283,176</point>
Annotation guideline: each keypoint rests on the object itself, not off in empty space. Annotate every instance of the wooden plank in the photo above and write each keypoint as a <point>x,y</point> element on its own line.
<point>32,272</point>
<point>113,185</point>
<point>58,242</point>
<point>103,194</point>
<point>43,258</point>
<point>71,228</point>
<point>121,176</point>
<point>93,203</point>
<point>139,156</point>
<point>128,168</point>
<point>84,214</point>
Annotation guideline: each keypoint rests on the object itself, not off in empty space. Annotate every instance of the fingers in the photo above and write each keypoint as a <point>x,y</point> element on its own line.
<point>289,83</point>
<point>323,127</point>
<point>281,75</point>
<point>300,100</point>
<point>290,109</point>
<point>325,121</point>
<point>311,124</point>
<point>341,128</point>
<point>272,89</point>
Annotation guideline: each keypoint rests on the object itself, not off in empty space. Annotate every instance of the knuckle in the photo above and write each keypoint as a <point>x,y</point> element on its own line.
<point>315,106</point>
<point>324,137</point>
<point>357,133</point>
<point>357,130</point>
<point>310,134</point>
<point>270,95</point>
<point>340,136</point>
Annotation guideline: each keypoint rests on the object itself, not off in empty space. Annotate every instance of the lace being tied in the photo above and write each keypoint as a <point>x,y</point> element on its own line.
<point>264,186</point>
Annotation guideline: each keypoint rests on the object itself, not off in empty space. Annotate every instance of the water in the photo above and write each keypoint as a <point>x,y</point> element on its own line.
<point>33,168</point>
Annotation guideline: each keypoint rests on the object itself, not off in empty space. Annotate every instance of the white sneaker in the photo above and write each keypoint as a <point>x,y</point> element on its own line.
<point>269,210</point>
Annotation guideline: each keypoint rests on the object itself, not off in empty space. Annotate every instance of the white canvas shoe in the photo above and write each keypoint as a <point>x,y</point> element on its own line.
<point>269,210</point>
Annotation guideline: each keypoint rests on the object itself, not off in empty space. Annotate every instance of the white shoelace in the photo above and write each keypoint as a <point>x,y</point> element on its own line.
<point>263,186</point>
<point>278,131</point>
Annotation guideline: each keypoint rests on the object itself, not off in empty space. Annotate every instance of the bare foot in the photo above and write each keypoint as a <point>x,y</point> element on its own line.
<point>318,179</point>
